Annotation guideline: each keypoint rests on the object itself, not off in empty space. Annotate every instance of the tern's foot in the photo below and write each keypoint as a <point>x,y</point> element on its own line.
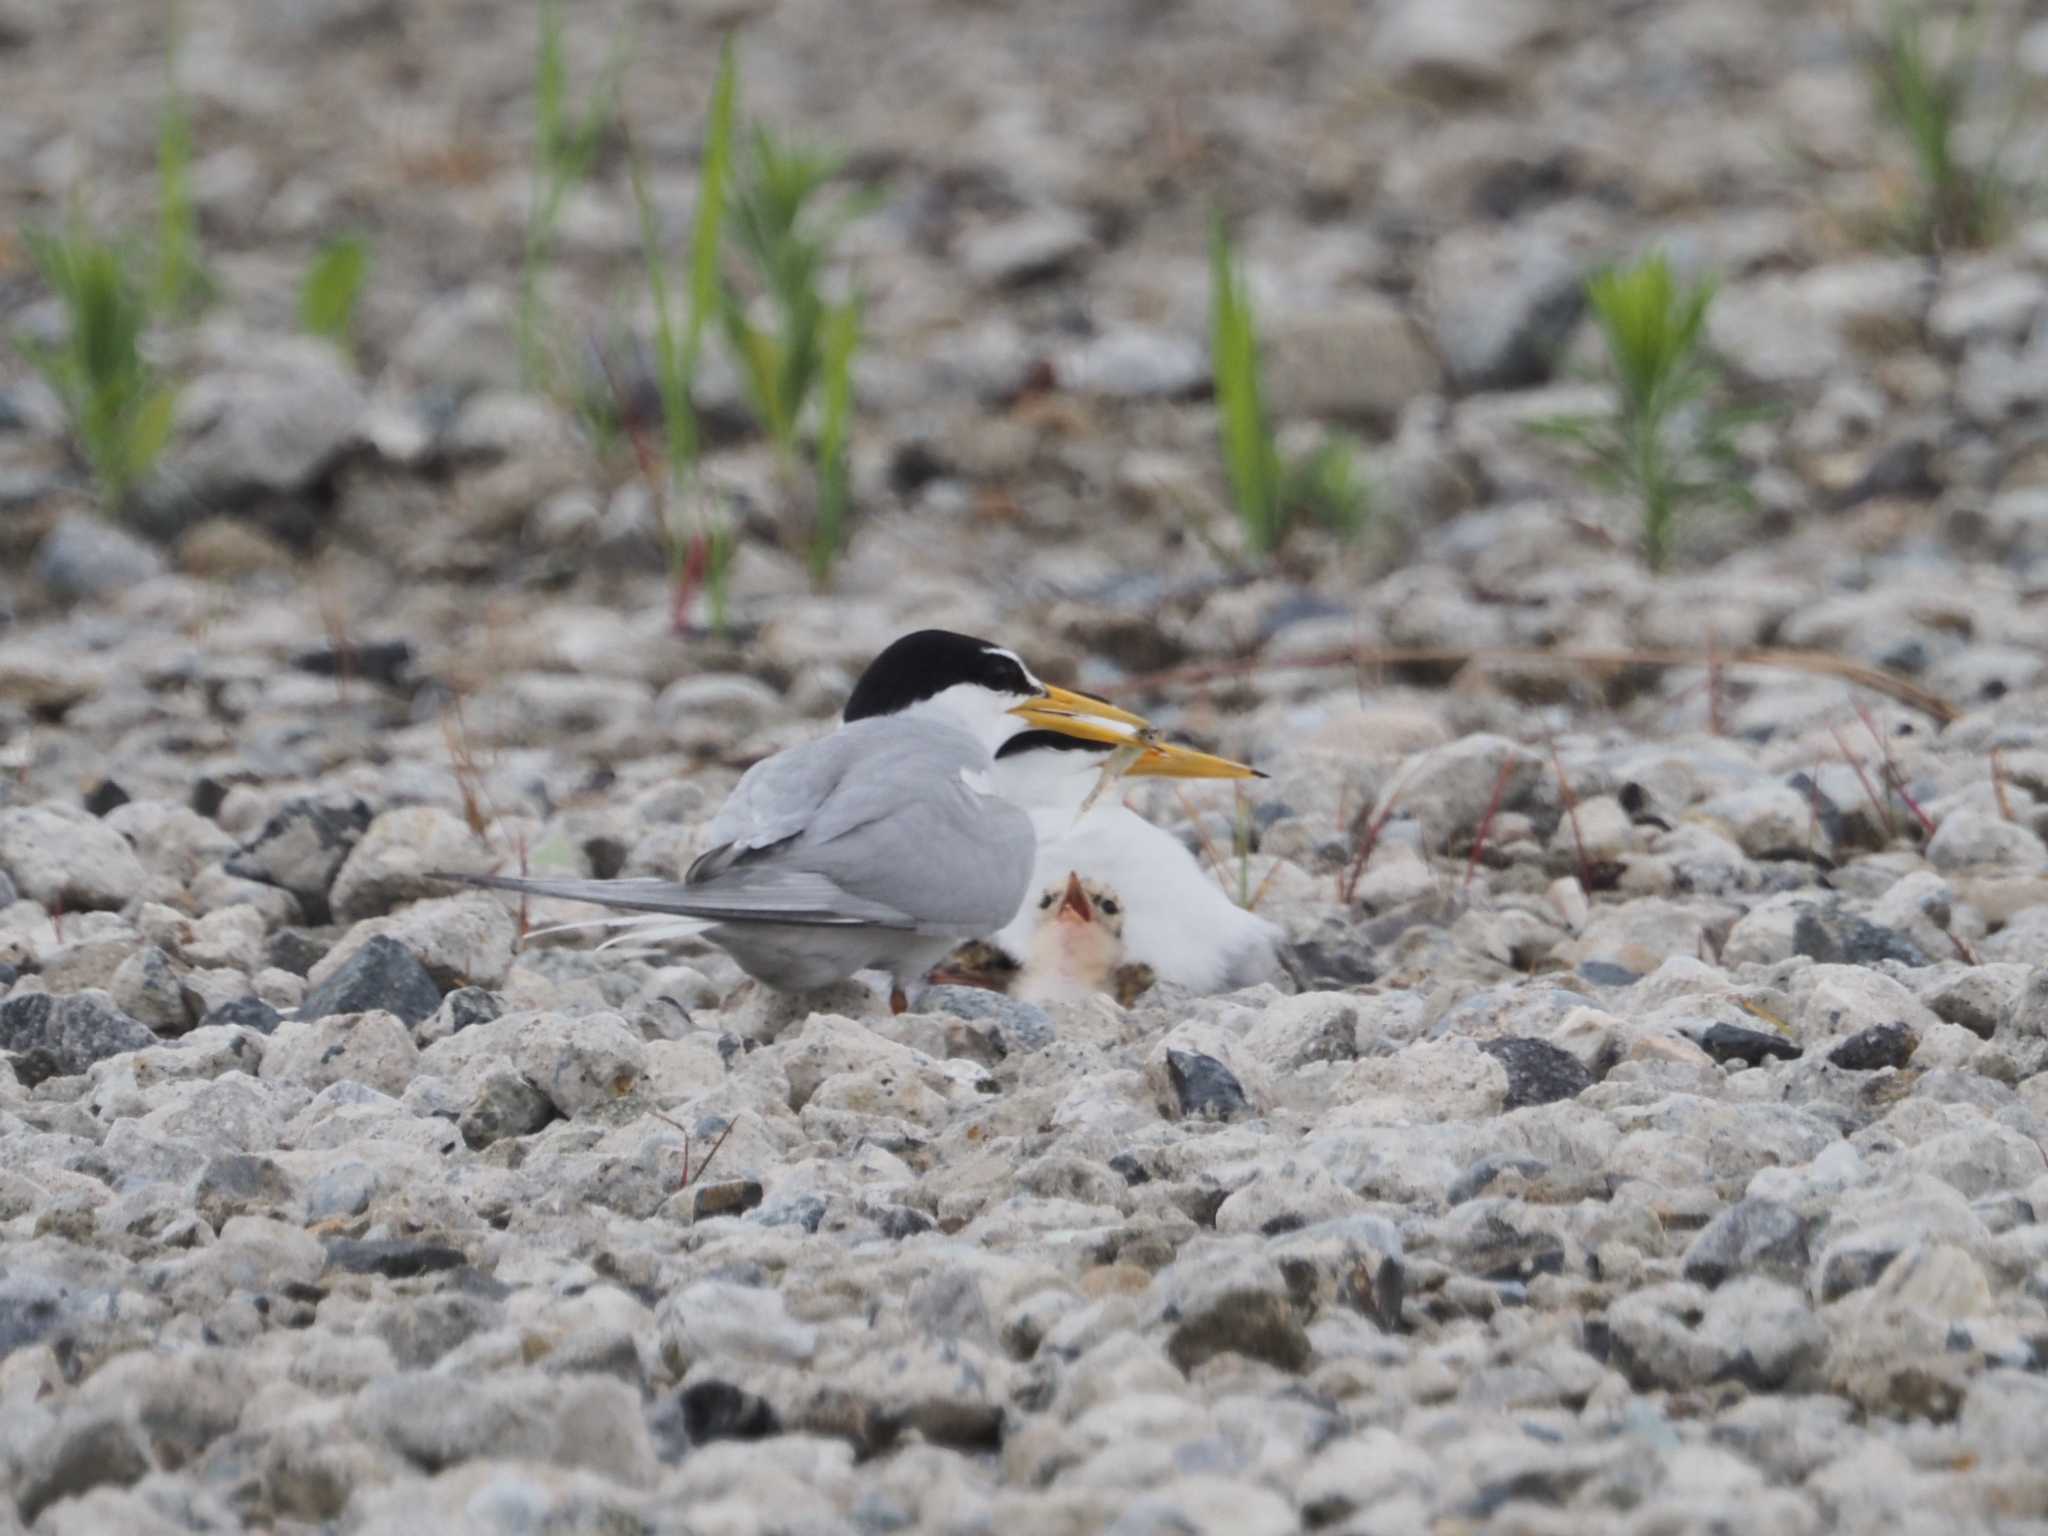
<point>899,1002</point>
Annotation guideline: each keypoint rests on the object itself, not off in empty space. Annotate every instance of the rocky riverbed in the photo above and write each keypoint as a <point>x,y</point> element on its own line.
<point>1652,1140</point>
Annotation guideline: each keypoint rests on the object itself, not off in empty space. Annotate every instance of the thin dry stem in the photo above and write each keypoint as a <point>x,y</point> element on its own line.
<point>1877,802</point>
<point>1571,810</point>
<point>691,1176</point>
<point>1209,854</point>
<point>1998,786</point>
<point>1894,780</point>
<point>1500,789</point>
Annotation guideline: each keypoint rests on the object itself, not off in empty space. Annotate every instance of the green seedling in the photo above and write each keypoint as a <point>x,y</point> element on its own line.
<point>1665,443</point>
<point>119,409</point>
<point>181,285</point>
<point>1271,496</point>
<point>1922,92</point>
<point>835,423</point>
<point>332,289</point>
<point>784,241</point>
<point>702,546</point>
<point>565,149</point>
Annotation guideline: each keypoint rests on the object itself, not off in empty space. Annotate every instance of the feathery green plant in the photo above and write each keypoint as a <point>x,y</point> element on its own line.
<point>1271,496</point>
<point>785,245</point>
<point>332,288</point>
<point>1666,443</point>
<point>787,250</point>
<point>120,410</point>
<point>181,285</point>
<point>1922,92</point>
<point>704,552</point>
<point>565,146</point>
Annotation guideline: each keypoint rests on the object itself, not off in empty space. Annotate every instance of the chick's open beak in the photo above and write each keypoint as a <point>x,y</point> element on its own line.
<point>1075,714</point>
<point>1075,904</point>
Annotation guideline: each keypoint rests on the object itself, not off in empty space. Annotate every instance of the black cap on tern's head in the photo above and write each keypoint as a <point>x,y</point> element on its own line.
<point>921,666</point>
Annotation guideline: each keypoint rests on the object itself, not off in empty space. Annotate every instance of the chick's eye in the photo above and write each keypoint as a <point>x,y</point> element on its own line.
<point>1045,901</point>
<point>1108,904</point>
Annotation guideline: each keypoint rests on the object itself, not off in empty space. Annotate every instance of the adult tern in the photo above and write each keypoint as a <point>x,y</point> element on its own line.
<point>883,845</point>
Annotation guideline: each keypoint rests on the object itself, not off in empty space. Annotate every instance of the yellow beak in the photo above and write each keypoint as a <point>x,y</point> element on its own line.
<point>1075,714</point>
<point>1166,760</point>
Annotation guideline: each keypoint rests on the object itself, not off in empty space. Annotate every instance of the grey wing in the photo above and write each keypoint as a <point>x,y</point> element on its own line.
<point>778,797</point>
<point>955,860</point>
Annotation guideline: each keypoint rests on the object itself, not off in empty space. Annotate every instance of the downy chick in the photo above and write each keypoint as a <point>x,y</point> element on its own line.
<point>1076,945</point>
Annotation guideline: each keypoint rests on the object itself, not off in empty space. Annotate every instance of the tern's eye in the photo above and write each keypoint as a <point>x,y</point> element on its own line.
<point>1045,901</point>
<point>1108,904</point>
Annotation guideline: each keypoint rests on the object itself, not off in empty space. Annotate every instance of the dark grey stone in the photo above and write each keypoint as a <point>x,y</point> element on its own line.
<point>728,1197</point>
<point>1840,938</point>
<point>1731,1042</point>
<point>1538,1072</point>
<point>1475,1180</point>
<point>396,1258</point>
<point>718,1410</point>
<point>383,974</point>
<point>65,1035</point>
<point>1872,1049</point>
<point>469,1005</point>
<point>806,1211</point>
<point>1205,1088</point>
<point>249,1012</point>
<point>1258,1324</point>
<point>505,1104</point>
<point>294,950</point>
<point>1605,973</point>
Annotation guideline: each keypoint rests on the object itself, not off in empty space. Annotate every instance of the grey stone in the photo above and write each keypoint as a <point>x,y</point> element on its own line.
<point>503,1104</point>
<point>147,989</point>
<point>437,1420</point>
<point>79,1453</point>
<point>581,1064</point>
<point>1751,1237</point>
<point>271,424</point>
<point>1763,1332</point>
<point>85,557</point>
<point>382,974</point>
<point>372,1049</point>
<point>1502,304</point>
<point>301,849</point>
<point>68,859</point>
<point>397,856</point>
<point>1011,1025</point>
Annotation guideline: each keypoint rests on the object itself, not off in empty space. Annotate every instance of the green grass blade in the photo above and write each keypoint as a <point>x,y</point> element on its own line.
<point>181,285</point>
<point>835,423</point>
<point>672,378</point>
<point>714,180</point>
<point>333,288</point>
<point>1246,436</point>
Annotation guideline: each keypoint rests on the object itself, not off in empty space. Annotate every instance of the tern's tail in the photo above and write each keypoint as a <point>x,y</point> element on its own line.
<point>742,894</point>
<point>662,909</point>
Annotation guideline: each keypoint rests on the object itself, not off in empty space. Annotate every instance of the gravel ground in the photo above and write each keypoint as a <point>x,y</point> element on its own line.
<point>1654,1142</point>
